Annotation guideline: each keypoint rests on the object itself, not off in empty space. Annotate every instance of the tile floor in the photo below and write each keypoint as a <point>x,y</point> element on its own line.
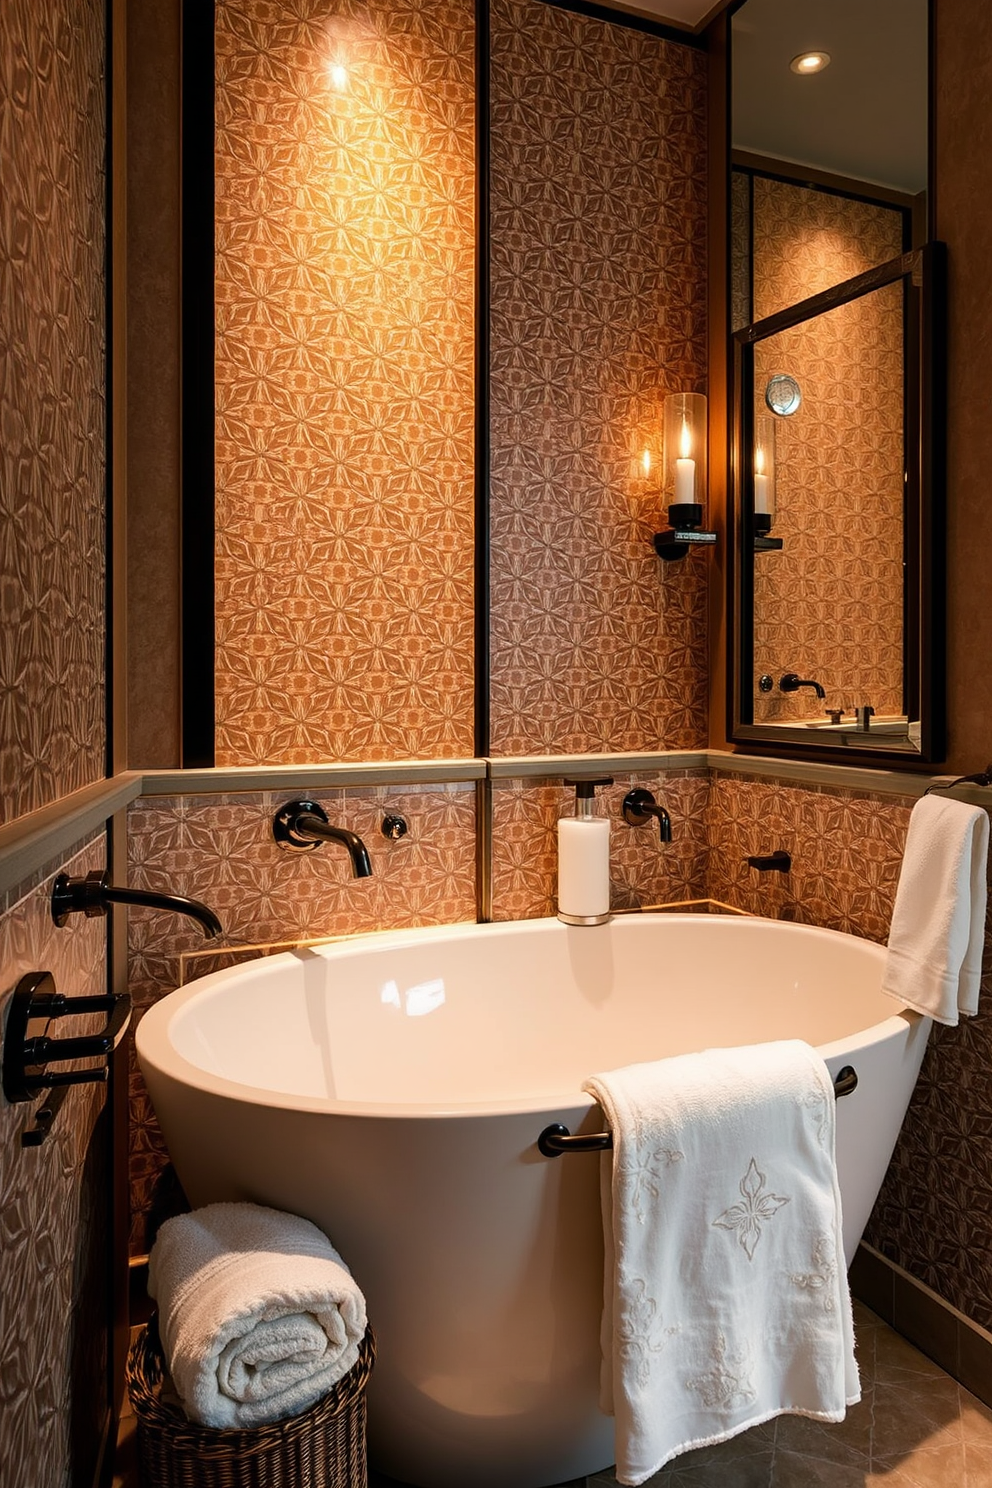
<point>914,1428</point>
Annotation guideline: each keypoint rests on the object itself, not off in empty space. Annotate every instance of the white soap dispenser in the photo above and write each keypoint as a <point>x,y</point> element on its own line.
<point>584,859</point>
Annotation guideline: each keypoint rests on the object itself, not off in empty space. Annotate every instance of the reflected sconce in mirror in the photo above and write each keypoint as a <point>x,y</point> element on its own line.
<point>764,485</point>
<point>684,478</point>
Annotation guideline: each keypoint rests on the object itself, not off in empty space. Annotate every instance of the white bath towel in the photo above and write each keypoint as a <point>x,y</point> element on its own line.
<point>726,1298</point>
<point>934,959</point>
<point>258,1314</point>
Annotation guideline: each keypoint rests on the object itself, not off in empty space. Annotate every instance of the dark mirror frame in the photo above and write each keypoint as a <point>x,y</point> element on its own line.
<point>922,273</point>
<point>925,324</point>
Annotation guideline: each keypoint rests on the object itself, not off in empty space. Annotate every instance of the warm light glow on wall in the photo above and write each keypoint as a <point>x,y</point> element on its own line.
<point>344,373</point>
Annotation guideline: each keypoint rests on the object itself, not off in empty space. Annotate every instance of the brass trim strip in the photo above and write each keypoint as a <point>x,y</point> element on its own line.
<point>40,837</point>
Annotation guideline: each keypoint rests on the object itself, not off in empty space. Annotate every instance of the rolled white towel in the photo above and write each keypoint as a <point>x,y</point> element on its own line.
<point>258,1314</point>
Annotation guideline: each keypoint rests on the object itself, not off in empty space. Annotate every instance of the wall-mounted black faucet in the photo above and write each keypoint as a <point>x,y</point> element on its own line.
<point>639,806</point>
<point>300,826</point>
<point>93,895</point>
<point>792,682</point>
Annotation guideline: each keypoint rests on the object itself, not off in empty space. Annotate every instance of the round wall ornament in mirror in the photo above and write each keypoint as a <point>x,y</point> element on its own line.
<point>783,394</point>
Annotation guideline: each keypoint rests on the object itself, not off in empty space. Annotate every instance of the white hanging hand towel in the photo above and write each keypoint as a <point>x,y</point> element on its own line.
<point>258,1314</point>
<point>934,959</point>
<point>726,1298</point>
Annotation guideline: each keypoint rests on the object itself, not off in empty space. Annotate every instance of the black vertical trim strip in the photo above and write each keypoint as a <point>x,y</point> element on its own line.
<point>109,617</point>
<point>197,395</point>
<point>482,503</point>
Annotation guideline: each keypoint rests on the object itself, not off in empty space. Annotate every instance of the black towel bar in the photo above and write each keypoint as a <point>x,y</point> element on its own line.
<point>557,1139</point>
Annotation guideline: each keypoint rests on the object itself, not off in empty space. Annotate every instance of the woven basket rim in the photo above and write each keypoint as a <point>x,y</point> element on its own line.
<point>146,1371</point>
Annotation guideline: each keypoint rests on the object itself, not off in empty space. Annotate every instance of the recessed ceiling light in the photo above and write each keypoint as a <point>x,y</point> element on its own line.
<point>809,62</point>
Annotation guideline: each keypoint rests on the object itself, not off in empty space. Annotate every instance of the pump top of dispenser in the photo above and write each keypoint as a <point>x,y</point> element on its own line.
<point>585,790</point>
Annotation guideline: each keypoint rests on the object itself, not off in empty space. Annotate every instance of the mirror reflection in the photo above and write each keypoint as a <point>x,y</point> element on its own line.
<point>828,183</point>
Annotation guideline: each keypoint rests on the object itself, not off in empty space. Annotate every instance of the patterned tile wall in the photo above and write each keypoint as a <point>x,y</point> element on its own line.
<point>829,605</point>
<point>221,850</point>
<point>598,308</point>
<point>51,401</point>
<point>54,1305</point>
<point>344,373</point>
<point>643,871</point>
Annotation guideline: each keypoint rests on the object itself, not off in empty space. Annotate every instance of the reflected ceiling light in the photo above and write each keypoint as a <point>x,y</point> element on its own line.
<point>810,62</point>
<point>339,75</point>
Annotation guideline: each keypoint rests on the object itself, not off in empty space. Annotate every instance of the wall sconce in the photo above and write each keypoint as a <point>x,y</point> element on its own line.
<point>764,485</point>
<point>684,478</point>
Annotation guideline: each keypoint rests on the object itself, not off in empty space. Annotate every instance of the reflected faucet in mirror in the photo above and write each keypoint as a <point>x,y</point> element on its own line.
<point>791,682</point>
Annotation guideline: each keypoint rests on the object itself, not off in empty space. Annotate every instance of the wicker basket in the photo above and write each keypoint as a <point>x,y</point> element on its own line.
<point>323,1447</point>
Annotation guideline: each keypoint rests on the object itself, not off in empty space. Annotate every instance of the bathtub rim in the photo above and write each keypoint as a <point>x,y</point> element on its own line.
<point>153,1026</point>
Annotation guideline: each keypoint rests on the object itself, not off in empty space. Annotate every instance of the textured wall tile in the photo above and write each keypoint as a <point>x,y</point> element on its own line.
<point>51,401</point>
<point>598,294</point>
<point>221,850</point>
<point>344,380</point>
<point>643,870</point>
<point>829,605</point>
<point>54,1307</point>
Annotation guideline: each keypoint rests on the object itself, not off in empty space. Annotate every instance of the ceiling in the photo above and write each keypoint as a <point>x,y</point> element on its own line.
<point>689,13</point>
<point>865,115</point>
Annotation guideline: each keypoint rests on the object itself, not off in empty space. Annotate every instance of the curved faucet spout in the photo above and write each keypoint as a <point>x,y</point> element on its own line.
<point>301,826</point>
<point>639,806</point>
<point>93,894</point>
<point>792,682</point>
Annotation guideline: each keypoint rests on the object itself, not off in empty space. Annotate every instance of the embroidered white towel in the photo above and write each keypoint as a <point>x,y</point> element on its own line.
<point>726,1298</point>
<point>258,1315</point>
<point>934,959</point>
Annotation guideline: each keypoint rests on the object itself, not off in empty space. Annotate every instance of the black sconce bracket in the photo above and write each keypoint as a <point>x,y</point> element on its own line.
<point>27,1055</point>
<point>684,533</point>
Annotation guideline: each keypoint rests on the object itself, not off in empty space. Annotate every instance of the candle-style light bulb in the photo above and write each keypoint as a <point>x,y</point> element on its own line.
<point>762,485</point>
<point>685,468</point>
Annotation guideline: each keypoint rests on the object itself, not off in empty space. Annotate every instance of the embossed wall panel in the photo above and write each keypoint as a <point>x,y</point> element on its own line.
<point>221,850</point>
<point>345,169</point>
<point>54,1304</point>
<point>643,870</point>
<point>829,605</point>
<point>598,285</point>
<point>51,401</point>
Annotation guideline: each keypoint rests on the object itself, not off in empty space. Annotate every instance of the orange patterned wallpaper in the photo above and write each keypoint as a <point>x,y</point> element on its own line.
<point>598,308</point>
<point>52,374</point>
<point>829,605</point>
<point>345,168</point>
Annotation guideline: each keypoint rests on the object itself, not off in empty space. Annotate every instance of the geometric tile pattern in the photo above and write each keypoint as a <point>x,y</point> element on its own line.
<point>54,1306</point>
<point>914,1427</point>
<point>643,870</point>
<point>846,848</point>
<point>829,605</point>
<point>52,284</point>
<point>597,310</point>
<point>345,177</point>
<point>220,849</point>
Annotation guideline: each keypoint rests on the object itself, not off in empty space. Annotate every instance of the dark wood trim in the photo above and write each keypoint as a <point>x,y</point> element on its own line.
<point>482,671</point>
<point>197,391</point>
<point>816,179</point>
<point>115,618</point>
<point>719,454</point>
<point>834,297</point>
<point>635,20</point>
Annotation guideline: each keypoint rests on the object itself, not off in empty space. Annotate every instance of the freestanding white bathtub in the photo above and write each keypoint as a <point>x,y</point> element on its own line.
<point>392,1088</point>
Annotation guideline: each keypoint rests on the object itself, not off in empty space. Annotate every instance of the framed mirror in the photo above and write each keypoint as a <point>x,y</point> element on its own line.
<point>835,309</point>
